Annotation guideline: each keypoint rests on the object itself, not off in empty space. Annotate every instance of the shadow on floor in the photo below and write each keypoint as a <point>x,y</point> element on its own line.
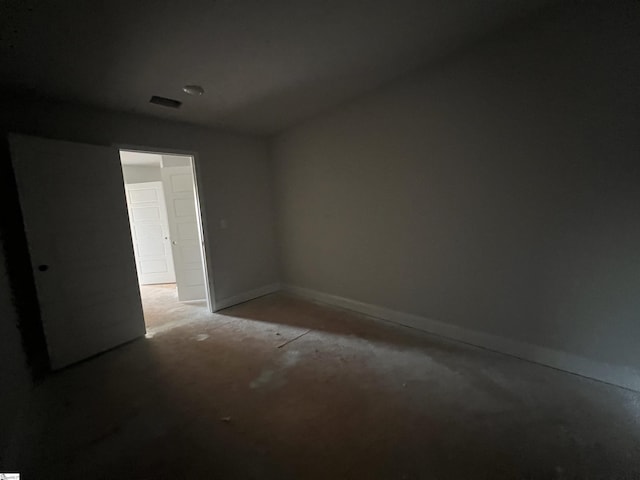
<point>293,311</point>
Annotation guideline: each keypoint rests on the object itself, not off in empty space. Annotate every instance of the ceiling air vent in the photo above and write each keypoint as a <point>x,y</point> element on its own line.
<point>165,102</point>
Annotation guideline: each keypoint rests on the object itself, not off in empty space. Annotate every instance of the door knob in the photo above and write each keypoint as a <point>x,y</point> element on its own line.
<point>174,243</point>
<point>43,267</point>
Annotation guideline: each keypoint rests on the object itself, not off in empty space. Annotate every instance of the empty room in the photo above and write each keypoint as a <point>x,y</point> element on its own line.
<point>320,239</point>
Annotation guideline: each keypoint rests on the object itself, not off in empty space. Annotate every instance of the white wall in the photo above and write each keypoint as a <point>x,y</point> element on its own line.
<point>175,161</point>
<point>497,191</point>
<point>140,174</point>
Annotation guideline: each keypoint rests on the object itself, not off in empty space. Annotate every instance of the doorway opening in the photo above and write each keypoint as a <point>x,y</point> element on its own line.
<point>167,235</point>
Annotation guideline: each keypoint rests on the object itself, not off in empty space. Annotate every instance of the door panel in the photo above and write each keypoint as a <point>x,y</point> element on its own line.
<point>75,215</point>
<point>150,233</point>
<point>179,191</point>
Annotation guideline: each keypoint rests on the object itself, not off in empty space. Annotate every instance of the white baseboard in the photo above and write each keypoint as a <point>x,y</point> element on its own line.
<point>617,375</point>
<point>246,296</point>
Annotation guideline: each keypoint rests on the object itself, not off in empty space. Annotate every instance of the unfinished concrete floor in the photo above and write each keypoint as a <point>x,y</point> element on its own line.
<point>280,388</point>
<point>162,308</point>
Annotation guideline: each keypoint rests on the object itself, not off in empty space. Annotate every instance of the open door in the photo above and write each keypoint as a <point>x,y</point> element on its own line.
<point>179,191</point>
<point>75,214</point>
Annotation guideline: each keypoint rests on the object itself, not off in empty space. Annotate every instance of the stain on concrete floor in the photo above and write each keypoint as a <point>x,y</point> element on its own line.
<point>343,397</point>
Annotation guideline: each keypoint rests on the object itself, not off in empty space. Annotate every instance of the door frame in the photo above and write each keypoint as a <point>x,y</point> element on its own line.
<point>200,208</point>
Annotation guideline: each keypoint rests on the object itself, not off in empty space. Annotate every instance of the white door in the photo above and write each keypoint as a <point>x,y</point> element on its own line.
<point>75,215</point>
<point>150,233</point>
<point>179,191</point>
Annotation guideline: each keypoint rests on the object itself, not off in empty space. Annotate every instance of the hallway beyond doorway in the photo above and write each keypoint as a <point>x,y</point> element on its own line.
<point>162,307</point>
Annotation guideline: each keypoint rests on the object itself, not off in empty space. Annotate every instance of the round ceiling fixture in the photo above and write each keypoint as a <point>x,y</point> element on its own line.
<point>196,90</point>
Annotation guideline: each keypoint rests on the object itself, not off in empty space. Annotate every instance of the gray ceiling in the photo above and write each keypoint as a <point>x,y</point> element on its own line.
<point>265,64</point>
